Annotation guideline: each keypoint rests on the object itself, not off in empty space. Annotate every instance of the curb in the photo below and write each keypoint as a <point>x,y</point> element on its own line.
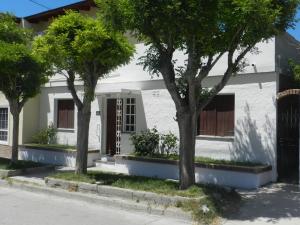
<point>110,191</point>
<point>99,200</point>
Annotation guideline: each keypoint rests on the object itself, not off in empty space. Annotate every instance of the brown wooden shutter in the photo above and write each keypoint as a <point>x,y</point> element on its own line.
<point>65,114</point>
<point>208,119</point>
<point>225,115</point>
<point>217,118</point>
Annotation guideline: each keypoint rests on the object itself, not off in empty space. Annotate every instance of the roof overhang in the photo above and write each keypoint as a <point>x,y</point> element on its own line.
<point>46,15</point>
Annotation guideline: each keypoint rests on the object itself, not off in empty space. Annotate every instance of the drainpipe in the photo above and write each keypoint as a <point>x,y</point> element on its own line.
<point>23,22</point>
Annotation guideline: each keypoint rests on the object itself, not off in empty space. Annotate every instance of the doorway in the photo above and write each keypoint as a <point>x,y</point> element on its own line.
<point>111,127</point>
<point>288,139</point>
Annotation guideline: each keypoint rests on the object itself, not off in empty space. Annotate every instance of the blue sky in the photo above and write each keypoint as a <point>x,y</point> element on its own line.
<point>28,7</point>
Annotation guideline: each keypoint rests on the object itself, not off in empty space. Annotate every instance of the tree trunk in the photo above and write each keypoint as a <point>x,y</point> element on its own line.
<point>83,124</point>
<point>187,131</point>
<point>15,141</point>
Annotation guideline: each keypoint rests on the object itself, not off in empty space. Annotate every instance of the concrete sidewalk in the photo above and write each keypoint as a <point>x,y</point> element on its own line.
<point>275,204</point>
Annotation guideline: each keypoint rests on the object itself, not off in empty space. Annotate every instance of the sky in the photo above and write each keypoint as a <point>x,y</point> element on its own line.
<point>23,8</point>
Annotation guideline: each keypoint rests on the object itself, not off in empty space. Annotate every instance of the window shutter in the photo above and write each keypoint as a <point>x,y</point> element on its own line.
<point>217,118</point>
<point>225,115</point>
<point>65,114</point>
<point>208,119</point>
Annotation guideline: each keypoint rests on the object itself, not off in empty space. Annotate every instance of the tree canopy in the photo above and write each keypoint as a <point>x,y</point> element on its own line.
<point>79,46</point>
<point>21,71</point>
<point>205,31</point>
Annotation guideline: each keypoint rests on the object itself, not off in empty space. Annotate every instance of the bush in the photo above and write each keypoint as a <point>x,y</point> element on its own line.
<point>149,143</point>
<point>146,143</point>
<point>46,136</point>
<point>168,143</point>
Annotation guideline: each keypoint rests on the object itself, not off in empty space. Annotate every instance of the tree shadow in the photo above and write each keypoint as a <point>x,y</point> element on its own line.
<point>270,204</point>
<point>253,142</point>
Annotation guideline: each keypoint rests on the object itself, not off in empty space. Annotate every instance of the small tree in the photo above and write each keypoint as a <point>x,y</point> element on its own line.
<point>21,72</point>
<point>205,30</point>
<point>80,47</point>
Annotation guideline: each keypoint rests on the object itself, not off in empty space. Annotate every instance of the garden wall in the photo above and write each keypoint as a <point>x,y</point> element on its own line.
<point>223,175</point>
<point>55,156</point>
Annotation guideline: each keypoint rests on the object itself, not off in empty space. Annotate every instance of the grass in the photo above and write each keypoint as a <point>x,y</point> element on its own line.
<point>204,160</point>
<point>53,146</point>
<point>219,201</point>
<point>6,165</point>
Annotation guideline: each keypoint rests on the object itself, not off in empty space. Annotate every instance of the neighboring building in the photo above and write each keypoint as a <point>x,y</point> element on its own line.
<point>244,122</point>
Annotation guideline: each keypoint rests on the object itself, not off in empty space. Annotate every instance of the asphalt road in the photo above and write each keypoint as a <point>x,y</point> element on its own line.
<point>25,208</point>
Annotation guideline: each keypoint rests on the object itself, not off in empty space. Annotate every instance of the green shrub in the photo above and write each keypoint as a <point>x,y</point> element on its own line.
<point>168,143</point>
<point>46,136</point>
<point>145,143</point>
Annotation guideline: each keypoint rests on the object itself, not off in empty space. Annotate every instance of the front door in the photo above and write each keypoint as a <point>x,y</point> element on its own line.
<point>288,139</point>
<point>111,127</point>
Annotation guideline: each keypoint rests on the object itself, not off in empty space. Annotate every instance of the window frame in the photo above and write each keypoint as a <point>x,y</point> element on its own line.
<point>125,114</point>
<point>57,115</point>
<point>6,130</point>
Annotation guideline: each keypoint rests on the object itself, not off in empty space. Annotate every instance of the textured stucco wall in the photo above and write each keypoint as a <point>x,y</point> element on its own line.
<point>48,104</point>
<point>255,119</point>
<point>30,125</point>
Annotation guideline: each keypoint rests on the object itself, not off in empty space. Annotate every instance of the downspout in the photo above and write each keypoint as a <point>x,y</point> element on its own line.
<point>23,22</point>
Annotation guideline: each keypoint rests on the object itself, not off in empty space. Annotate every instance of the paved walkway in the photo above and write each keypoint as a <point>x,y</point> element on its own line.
<point>276,204</point>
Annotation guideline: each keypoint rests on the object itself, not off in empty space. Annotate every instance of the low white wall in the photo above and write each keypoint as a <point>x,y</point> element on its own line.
<point>61,158</point>
<point>236,179</point>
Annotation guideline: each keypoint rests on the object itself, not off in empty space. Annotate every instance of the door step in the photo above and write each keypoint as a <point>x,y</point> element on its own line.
<point>107,158</point>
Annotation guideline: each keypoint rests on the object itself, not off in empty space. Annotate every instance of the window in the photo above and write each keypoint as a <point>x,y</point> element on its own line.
<point>217,118</point>
<point>130,115</point>
<point>65,114</point>
<point>3,124</point>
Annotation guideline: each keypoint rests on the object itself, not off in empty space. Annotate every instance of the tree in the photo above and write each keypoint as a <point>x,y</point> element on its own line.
<point>205,31</point>
<point>80,47</point>
<point>21,72</point>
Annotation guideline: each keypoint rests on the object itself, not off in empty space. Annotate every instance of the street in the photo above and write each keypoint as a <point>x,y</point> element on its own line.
<point>26,208</point>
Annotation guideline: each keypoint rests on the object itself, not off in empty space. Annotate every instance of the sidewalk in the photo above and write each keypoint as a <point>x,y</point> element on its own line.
<point>277,204</point>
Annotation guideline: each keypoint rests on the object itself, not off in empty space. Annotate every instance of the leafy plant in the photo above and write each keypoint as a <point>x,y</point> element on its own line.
<point>168,143</point>
<point>46,136</point>
<point>145,143</point>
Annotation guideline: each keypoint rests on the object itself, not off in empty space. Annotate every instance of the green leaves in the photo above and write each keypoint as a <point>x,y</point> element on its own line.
<point>74,42</point>
<point>21,71</point>
<point>11,32</point>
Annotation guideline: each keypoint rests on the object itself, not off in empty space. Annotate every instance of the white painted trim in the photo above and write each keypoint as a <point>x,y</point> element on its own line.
<point>60,129</point>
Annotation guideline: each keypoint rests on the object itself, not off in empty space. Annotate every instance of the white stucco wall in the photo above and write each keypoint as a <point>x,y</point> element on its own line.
<point>255,119</point>
<point>255,122</point>
<point>48,111</point>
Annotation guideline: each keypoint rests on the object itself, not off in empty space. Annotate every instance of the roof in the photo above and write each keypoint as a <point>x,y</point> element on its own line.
<point>46,15</point>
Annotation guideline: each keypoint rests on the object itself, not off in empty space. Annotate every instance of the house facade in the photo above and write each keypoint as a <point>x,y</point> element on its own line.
<point>242,123</point>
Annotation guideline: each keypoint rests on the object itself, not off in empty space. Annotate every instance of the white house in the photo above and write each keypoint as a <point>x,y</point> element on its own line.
<point>245,122</point>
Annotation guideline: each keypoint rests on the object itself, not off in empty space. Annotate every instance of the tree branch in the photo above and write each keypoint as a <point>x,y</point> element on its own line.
<point>232,68</point>
<point>71,87</point>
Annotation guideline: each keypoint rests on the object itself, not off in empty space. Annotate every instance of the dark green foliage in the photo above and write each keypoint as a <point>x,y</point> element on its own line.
<point>168,143</point>
<point>45,136</point>
<point>145,143</point>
